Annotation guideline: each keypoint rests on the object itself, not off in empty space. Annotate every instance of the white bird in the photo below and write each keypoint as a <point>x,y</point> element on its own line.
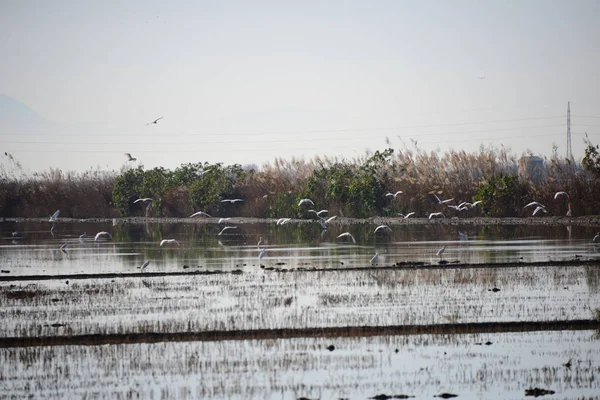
<point>304,201</point>
<point>347,234</point>
<point>101,234</point>
<point>560,194</point>
<point>374,258</point>
<point>224,229</point>
<point>596,238</point>
<point>169,241</point>
<point>537,209</point>
<point>318,213</point>
<point>64,246</point>
<point>407,215</point>
<point>221,220</point>
<point>441,251</point>
<point>477,202</point>
<point>231,200</point>
<point>328,220</point>
<point>394,194</point>
<point>83,236</point>
<point>200,213</point>
<point>440,201</point>
<point>145,199</point>
<point>382,227</point>
<point>259,242</point>
<point>129,158</point>
<point>534,203</point>
<point>262,253</point>
<point>54,216</point>
<point>145,265</point>
<point>436,214</point>
<point>115,222</point>
<point>283,221</point>
<point>462,236</point>
<point>155,121</point>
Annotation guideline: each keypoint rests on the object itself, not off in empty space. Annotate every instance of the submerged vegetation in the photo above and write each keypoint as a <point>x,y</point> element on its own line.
<point>351,188</point>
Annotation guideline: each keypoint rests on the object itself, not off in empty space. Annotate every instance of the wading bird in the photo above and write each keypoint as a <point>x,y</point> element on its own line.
<point>382,227</point>
<point>407,215</point>
<point>231,200</point>
<point>145,265</point>
<point>155,121</point>
<point>440,201</point>
<point>54,216</point>
<point>557,194</point>
<point>441,251</point>
<point>374,258</point>
<point>394,195</point>
<point>436,214</point>
<point>129,158</point>
<point>144,200</point>
<point>200,213</point>
<point>538,209</point>
<point>169,241</point>
<point>102,234</point>
<point>349,235</point>
<point>304,201</point>
<point>224,229</point>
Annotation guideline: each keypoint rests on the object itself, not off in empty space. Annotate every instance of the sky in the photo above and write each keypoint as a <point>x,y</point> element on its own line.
<point>247,82</point>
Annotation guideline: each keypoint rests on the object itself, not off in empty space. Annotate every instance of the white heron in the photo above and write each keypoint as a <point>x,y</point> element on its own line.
<point>102,234</point>
<point>283,221</point>
<point>462,236</point>
<point>83,236</point>
<point>262,253</point>
<point>169,241</point>
<point>318,213</point>
<point>538,209</point>
<point>374,258</point>
<point>200,213</point>
<point>259,242</point>
<point>145,265</point>
<point>394,195</point>
<point>441,251</point>
<point>231,200</point>
<point>144,200</point>
<point>129,157</point>
<point>226,228</point>
<point>382,227</point>
<point>596,238</point>
<point>221,220</point>
<point>534,203</point>
<point>436,214</point>
<point>328,220</point>
<point>155,121</point>
<point>64,246</point>
<point>347,234</point>
<point>557,194</point>
<point>407,215</point>
<point>54,216</point>
<point>440,201</point>
<point>305,201</point>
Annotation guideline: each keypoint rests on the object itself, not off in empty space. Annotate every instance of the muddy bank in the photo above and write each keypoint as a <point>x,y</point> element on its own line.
<point>331,332</point>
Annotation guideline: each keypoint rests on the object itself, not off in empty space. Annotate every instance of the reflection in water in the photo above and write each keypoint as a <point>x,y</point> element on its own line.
<point>499,365</point>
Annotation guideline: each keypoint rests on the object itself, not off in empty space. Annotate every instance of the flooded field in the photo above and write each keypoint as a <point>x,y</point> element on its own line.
<point>503,309</point>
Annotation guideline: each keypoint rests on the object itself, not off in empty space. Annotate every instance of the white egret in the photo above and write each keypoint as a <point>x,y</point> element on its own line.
<point>200,213</point>
<point>305,201</point>
<point>537,209</point>
<point>382,227</point>
<point>349,235</point>
<point>83,236</point>
<point>534,203</point>
<point>102,234</point>
<point>169,241</point>
<point>259,242</point>
<point>262,253</point>
<point>224,229</point>
<point>155,121</point>
<point>145,199</point>
<point>462,236</point>
<point>328,220</point>
<point>115,222</point>
<point>231,200</point>
<point>407,215</point>
<point>129,158</point>
<point>394,195</point>
<point>440,201</point>
<point>283,221</point>
<point>145,265</point>
<point>557,194</point>
<point>54,216</point>
<point>441,251</point>
<point>221,220</point>
<point>596,238</point>
<point>374,258</point>
<point>64,246</point>
<point>436,214</point>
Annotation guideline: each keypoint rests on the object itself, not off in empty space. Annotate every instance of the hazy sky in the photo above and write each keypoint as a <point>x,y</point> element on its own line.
<point>245,82</point>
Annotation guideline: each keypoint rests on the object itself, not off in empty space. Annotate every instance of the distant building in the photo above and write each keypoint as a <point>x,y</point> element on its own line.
<point>532,168</point>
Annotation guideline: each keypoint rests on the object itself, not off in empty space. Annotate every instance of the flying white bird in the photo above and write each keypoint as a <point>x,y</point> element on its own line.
<point>145,265</point>
<point>318,213</point>
<point>304,201</point>
<point>596,238</point>
<point>534,203</point>
<point>462,236</point>
<point>441,251</point>
<point>64,246</point>
<point>221,220</point>
<point>259,242</point>
<point>145,199</point>
<point>231,200</point>
<point>374,258</point>
<point>347,234</point>
<point>393,194</point>
<point>407,215</point>
<point>102,234</point>
<point>262,253</point>
<point>382,227</point>
<point>440,201</point>
<point>537,209</point>
<point>155,121</point>
<point>129,158</point>
<point>560,194</point>
<point>283,221</point>
<point>169,241</point>
<point>328,220</point>
<point>436,214</point>
<point>54,216</point>
<point>83,236</point>
<point>224,229</point>
<point>201,213</point>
